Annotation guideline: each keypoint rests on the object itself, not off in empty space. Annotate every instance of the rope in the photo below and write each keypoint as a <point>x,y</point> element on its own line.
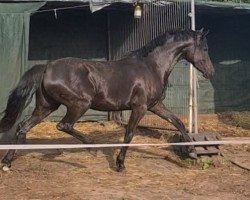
<point>82,146</point>
<point>60,8</point>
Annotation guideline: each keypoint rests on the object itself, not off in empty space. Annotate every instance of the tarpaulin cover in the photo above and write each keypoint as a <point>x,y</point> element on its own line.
<point>14,39</point>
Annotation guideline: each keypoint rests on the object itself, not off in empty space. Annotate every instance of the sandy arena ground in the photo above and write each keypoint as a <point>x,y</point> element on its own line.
<point>151,173</point>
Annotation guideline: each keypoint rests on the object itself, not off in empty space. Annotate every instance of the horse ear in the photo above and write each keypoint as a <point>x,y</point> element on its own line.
<point>199,35</point>
<point>204,34</point>
<point>201,31</point>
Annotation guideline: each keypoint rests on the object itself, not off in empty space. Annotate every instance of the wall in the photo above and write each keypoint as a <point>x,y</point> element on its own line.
<point>76,33</point>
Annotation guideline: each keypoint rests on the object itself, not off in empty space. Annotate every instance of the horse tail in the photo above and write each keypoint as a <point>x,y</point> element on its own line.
<point>21,96</point>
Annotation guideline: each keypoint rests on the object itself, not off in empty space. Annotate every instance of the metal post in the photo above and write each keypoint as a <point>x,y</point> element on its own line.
<point>109,57</point>
<point>192,84</point>
<point>190,124</point>
<point>195,103</point>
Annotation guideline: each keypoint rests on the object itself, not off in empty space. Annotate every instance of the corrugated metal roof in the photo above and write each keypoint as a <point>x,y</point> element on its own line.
<point>234,5</point>
<point>96,5</point>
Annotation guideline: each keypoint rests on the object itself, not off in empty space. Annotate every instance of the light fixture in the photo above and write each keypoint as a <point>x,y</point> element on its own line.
<point>137,11</point>
<point>55,13</point>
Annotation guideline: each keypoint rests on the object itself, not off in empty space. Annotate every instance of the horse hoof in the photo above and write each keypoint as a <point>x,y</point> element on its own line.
<point>193,155</point>
<point>5,165</point>
<point>5,168</point>
<point>87,141</point>
<point>120,167</point>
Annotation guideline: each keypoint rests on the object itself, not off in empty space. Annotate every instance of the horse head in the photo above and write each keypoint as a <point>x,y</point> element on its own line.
<point>197,54</point>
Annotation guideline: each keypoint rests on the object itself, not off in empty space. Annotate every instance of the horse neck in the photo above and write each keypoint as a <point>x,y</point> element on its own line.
<point>165,58</point>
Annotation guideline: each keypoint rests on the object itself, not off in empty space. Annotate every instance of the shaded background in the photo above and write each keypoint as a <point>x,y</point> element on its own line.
<point>229,49</point>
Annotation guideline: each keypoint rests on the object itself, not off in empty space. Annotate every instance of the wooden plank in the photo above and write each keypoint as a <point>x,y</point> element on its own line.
<point>206,149</point>
<point>207,152</point>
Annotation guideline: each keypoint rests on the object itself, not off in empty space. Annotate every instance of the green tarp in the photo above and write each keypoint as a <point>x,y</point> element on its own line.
<point>14,40</point>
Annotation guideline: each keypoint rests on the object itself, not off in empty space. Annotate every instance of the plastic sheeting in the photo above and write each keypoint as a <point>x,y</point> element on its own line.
<point>14,39</point>
<point>95,5</point>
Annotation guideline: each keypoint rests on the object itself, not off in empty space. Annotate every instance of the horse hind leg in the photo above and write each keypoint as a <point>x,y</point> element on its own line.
<point>67,123</point>
<point>23,127</point>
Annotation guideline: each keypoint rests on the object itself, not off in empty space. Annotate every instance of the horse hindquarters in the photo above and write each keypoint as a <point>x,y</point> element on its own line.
<point>23,93</point>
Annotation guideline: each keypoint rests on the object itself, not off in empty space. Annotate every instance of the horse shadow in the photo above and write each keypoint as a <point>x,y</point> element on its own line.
<point>97,137</point>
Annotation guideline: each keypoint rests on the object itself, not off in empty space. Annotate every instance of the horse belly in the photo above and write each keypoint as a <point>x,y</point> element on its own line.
<point>110,101</point>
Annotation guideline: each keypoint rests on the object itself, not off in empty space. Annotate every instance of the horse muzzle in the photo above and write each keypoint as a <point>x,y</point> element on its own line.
<point>208,75</point>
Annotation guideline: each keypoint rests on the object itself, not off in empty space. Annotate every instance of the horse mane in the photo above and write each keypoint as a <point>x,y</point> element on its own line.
<point>175,35</point>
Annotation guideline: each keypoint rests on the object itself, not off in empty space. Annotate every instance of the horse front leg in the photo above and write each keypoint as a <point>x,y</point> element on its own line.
<point>137,114</point>
<point>67,123</point>
<point>161,110</point>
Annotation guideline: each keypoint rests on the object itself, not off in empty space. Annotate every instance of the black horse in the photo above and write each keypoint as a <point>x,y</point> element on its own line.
<point>136,82</point>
